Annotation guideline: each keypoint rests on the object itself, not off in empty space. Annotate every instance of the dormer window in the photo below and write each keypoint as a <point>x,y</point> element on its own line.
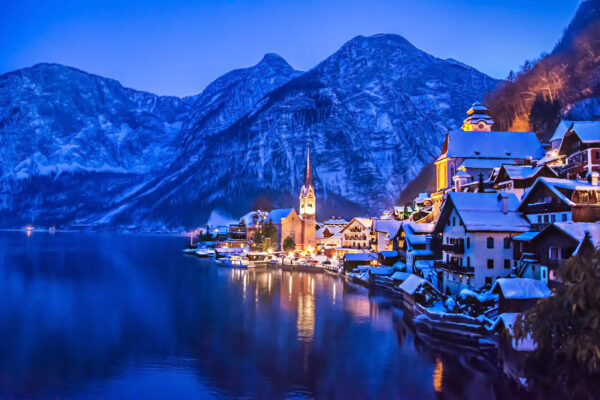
<point>477,152</point>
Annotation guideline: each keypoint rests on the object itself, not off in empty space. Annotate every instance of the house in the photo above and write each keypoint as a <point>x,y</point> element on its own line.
<point>581,147</point>
<point>253,222</point>
<point>337,222</point>
<point>329,236</point>
<point>383,232</point>
<point>478,150</point>
<point>516,295</point>
<point>518,178</point>
<point>357,234</point>
<point>513,353</point>
<point>548,250</point>
<point>476,231</point>
<point>416,246</point>
<point>559,200</point>
<point>411,286</point>
<point>353,260</point>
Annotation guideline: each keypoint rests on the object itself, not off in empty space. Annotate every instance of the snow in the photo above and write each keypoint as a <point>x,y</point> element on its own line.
<point>417,228</point>
<point>483,212</point>
<point>481,297</point>
<point>577,230</point>
<point>525,236</point>
<point>474,163</point>
<point>389,253</point>
<point>509,320</point>
<point>560,131</point>
<point>521,288</point>
<point>400,266</point>
<point>275,216</point>
<point>388,226</point>
<point>400,276</point>
<point>360,256</point>
<point>412,283</point>
<point>499,145</point>
<point>554,184</point>
<point>587,131</point>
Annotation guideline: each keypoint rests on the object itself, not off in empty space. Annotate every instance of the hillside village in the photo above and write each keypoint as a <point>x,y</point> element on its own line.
<point>507,212</point>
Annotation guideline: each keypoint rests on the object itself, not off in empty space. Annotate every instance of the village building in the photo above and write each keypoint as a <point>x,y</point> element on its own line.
<point>559,200</point>
<point>329,236</point>
<point>413,242</point>
<point>540,254</point>
<point>516,295</point>
<point>383,233</point>
<point>518,179</point>
<point>476,231</point>
<point>581,147</point>
<point>357,234</point>
<point>478,150</point>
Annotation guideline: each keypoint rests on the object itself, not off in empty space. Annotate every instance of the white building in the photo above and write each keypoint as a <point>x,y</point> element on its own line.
<point>357,234</point>
<point>383,232</point>
<point>329,236</point>
<point>476,231</point>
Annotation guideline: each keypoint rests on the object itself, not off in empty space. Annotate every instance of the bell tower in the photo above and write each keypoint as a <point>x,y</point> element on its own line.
<point>308,207</point>
<point>479,118</point>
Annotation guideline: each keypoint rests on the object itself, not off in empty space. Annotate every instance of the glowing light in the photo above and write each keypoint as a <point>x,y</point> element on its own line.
<point>269,282</point>
<point>438,374</point>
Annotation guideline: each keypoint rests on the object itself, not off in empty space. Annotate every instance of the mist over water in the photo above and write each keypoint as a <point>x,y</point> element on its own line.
<point>120,316</point>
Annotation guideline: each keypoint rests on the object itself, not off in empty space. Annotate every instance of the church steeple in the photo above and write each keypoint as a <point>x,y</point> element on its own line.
<point>307,193</point>
<point>479,118</point>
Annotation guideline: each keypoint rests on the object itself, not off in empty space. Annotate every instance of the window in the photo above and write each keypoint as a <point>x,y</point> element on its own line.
<point>553,253</point>
<point>490,264</point>
<point>546,219</point>
<point>507,242</point>
<point>468,243</point>
<point>564,217</point>
<point>468,281</point>
<point>507,263</point>
<point>553,218</point>
<point>539,219</point>
<point>468,261</point>
<point>453,221</point>
<point>490,242</point>
<point>488,281</point>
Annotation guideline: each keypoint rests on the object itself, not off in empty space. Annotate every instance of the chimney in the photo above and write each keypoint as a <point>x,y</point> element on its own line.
<point>503,198</point>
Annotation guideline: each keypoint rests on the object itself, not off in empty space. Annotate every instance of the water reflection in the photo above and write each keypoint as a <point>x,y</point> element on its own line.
<point>110,316</point>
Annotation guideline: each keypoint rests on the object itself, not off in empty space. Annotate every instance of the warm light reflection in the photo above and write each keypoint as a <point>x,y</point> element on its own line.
<point>306,317</point>
<point>269,283</point>
<point>333,297</point>
<point>438,375</point>
<point>244,286</point>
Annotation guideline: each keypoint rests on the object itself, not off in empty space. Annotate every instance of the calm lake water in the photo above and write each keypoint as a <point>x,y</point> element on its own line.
<point>131,317</point>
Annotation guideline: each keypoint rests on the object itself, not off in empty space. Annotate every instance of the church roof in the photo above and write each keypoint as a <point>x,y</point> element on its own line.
<point>275,216</point>
<point>492,144</point>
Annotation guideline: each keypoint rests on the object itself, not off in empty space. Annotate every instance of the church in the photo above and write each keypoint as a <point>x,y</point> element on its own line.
<point>299,226</point>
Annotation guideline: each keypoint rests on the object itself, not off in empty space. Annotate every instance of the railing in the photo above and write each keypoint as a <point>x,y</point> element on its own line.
<point>452,267</point>
<point>458,248</point>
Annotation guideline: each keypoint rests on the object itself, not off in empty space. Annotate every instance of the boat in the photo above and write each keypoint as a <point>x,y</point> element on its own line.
<point>190,250</point>
<point>233,261</point>
<point>204,252</point>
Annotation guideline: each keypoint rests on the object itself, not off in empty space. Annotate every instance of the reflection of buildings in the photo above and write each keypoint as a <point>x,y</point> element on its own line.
<point>306,316</point>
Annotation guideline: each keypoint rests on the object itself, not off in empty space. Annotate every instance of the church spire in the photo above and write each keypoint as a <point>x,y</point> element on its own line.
<point>308,178</point>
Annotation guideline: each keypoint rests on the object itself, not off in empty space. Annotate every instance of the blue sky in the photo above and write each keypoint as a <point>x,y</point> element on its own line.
<point>177,47</point>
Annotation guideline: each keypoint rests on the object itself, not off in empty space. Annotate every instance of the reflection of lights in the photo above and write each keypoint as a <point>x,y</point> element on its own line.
<point>312,286</point>
<point>290,285</point>
<point>269,283</point>
<point>245,284</point>
<point>438,375</point>
<point>306,317</point>
<point>333,292</point>
<point>29,233</point>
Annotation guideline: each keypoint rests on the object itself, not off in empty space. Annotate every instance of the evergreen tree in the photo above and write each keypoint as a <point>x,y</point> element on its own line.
<point>289,244</point>
<point>566,330</point>
<point>544,116</point>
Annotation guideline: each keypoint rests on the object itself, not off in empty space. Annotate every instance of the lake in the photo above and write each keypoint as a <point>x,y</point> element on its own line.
<point>131,317</point>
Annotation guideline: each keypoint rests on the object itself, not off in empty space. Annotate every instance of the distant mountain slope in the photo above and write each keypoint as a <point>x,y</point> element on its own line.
<point>375,113</point>
<point>538,96</point>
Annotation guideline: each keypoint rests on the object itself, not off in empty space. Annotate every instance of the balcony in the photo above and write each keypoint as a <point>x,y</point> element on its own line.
<point>452,267</point>
<point>457,248</point>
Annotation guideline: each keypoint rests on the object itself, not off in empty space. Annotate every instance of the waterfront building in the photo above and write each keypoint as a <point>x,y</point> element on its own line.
<point>580,146</point>
<point>357,234</point>
<point>476,231</point>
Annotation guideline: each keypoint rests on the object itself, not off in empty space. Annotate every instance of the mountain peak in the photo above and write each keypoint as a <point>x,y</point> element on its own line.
<point>274,60</point>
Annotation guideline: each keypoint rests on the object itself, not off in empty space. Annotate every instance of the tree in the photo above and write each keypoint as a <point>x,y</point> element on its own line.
<point>544,116</point>
<point>289,244</point>
<point>267,236</point>
<point>566,330</point>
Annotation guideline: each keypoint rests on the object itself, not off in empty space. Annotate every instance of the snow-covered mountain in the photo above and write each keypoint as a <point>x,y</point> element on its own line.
<point>84,149</point>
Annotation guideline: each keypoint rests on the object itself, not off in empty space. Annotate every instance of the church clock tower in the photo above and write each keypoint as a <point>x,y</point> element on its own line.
<point>308,208</point>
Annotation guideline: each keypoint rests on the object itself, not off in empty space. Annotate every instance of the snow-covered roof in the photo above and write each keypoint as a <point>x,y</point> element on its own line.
<point>488,144</point>
<point>366,222</point>
<point>554,184</point>
<point>333,221</point>
<point>400,276</point>
<point>423,264</point>
<point>520,171</point>
<point>418,228</point>
<point>252,217</point>
<point>389,253</point>
<point>461,172</point>
<point>389,226</point>
<point>508,320</point>
<point>412,283</point>
<point>525,236</point>
<point>521,288</point>
<point>587,131</point>
<point>483,212</point>
<point>476,163</point>
<point>275,216</point>
<point>577,230</point>
<point>560,131</point>
<point>416,239</point>
<point>360,256</point>
<point>334,231</point>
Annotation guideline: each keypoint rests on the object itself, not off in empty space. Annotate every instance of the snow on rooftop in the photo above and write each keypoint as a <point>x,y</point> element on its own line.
<point>525,236</point>
<point>360,256</point>
<point>389,253</point>
<point>509,320</point>
<point>554,184</point>
<point>416,239</point>
<point>577,230</point>
<point>560,131</point>
<point>475,163</point>
<point>275,216</point>
<point>389,226</point>
<point>520,171</point>
<point>483,212</point>
<point>400,276</point>
<point>417,228</point>
<point>412,283</point>
<point>521,288</point>
<point>333,221</point>
<point>587,131</point>
<point>493,144</point>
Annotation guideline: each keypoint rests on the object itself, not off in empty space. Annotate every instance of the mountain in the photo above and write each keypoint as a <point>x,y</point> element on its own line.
<point>82,149</point>
<point>375,113</point>
<point>548,89</point>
